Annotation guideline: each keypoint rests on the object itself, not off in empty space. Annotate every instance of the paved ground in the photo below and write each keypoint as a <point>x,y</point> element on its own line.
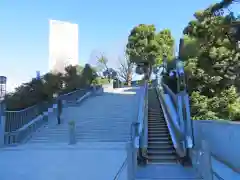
<point>166,171</point>
<point>93,161</point>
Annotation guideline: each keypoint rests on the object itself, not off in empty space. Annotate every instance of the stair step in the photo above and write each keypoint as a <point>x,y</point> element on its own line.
<point>151,116</point>
<point>155,115</point>
<point>161,138</point>
<point>160,143</point>
<point>160,147</point>
<point>162,157</point>
<point>158,131</point>
<point>164,160</point>
<point>157,119</point>
<point>159,134</point>
<point>157,127</point>
<point>151,139</point>
<point>160,123</point>
<point>161,153</point>
<point>154,126</point>
<point>157,122</point>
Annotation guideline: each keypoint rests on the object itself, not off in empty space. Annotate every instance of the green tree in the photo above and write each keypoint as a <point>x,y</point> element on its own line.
<point>146,46</point>
<point>40,90</point>
<point>88,75</point>
<point>142,47</point>
<point>212,65</point>
<point>166,43</point>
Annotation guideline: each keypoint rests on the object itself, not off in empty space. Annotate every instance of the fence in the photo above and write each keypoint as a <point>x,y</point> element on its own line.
<point>17,119</point>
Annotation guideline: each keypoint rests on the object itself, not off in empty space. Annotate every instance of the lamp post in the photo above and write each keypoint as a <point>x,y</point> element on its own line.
<point>164,63</point>
<point>181,83</point>
<point>3,82</point>
<point>59,107</point>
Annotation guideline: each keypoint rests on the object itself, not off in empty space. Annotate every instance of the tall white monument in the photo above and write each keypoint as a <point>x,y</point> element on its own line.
<point>63,45</point>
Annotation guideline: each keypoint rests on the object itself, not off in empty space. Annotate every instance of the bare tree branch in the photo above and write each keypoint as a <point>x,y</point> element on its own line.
<point>125,70</point>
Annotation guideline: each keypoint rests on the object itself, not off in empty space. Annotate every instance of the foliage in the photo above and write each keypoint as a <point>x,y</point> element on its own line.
<point>212,65</point>
<point>146,46</point>
<point>109,73</point>
<point>39,90</point>
<point>102,62</point>
<point>166,42</point>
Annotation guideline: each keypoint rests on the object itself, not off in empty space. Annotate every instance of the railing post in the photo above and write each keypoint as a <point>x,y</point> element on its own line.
<point>145,121</point>
<point>72,132</point>
<point>130,161</point>
<point>59,111</point>
<point>2,123</point>
<point>206,161</point>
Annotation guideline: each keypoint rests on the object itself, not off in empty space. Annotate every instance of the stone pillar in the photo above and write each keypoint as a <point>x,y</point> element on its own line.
<point>72,132</point>
<point>2,123</point>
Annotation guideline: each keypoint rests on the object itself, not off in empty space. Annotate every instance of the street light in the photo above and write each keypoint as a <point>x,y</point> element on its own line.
<point>164,63</point>
<point>181,83</point>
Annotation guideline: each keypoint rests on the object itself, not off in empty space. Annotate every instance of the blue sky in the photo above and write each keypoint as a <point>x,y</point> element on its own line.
<point>103,27</point>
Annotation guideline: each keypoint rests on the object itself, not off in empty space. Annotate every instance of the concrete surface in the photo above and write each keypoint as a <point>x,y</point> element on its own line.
<point>83,161</point>
<point>222,137</point>
<point>166,171</point>
<point>102,118</point>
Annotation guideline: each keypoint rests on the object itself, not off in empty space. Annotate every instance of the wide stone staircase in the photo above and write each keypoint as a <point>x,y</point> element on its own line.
<point>160,147</point>
<point>105,118</point>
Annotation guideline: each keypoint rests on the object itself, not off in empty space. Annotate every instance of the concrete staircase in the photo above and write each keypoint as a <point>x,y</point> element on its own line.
<point>160,147</point>
<point>105,118</point>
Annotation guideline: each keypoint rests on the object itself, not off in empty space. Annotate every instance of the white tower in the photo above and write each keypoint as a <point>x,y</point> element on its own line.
<point>63,45</point>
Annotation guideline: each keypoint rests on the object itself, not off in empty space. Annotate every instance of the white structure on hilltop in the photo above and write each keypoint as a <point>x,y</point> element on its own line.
<point>63,45</point>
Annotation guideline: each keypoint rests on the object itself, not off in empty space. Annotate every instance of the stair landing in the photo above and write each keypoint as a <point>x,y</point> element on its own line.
<point>166,171</point>
<point>60,162</point>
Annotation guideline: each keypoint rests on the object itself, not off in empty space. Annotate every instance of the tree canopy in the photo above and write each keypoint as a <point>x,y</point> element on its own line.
<point>39,90</point>
<point>147,46</point>
<point>212,65</point>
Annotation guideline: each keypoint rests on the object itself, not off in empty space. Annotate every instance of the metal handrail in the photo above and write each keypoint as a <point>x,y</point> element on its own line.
<point>23,132</point>
<point>174,129</point>
<point>17,119</point>
<point>172,95</point>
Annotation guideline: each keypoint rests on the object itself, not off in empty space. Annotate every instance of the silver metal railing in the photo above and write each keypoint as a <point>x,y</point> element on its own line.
<point>23,133</point>
<point>17,119</point>
<point>174,128</point>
